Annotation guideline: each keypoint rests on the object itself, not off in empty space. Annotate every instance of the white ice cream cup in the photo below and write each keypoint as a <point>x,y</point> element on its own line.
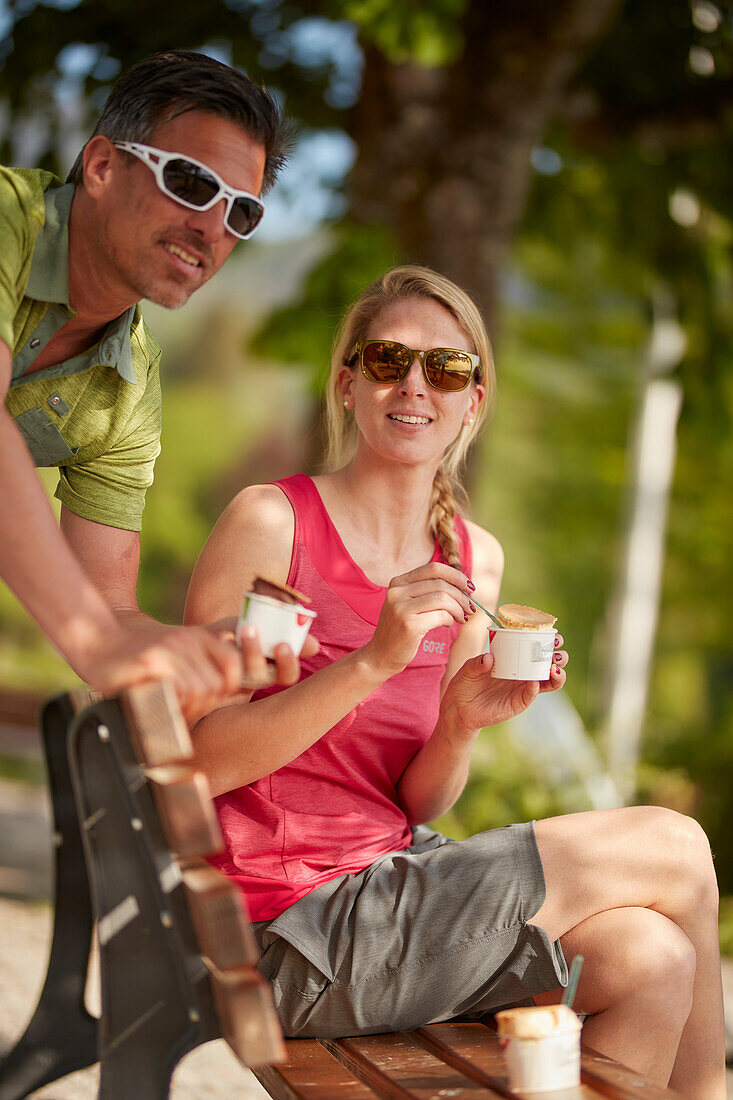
<point>521,654</point>
<point>541,1065</point>
<point>275,622</point>
<point>541,1048</point>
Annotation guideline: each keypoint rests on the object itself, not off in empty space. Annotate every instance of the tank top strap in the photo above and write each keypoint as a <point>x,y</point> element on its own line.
<point>311,523</point>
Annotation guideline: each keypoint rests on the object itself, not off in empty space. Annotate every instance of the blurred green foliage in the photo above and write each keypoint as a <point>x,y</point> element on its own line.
<point>505,785</point>
<point>303,331</point>
<point>207,429</point>
<point>410,29</point>
<point>725,925</point>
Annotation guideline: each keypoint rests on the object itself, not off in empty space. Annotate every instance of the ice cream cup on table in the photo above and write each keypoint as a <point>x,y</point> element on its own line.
<point>541,1047</point>
<point>278,613</point>
<point>524,648</point>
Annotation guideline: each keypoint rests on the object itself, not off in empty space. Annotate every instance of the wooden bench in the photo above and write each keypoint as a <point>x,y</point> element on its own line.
<point>132,822</point>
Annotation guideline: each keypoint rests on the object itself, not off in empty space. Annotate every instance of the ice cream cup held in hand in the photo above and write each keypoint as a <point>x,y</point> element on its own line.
<point>541,1047</point>
<point>275,622</point>
<point>521,654</point>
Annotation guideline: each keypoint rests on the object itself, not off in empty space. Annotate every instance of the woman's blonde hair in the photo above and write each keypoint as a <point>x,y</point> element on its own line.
<point>413,281</point>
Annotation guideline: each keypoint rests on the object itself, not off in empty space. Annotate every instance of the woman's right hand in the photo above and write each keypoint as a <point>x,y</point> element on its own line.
<point>430,596</point>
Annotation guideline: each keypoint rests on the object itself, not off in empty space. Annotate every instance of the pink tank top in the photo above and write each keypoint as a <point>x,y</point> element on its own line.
<point>334,810</point>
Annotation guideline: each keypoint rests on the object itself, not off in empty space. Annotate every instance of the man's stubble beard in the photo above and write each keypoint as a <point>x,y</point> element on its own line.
<point>159,298</point>
<point>169,296</point>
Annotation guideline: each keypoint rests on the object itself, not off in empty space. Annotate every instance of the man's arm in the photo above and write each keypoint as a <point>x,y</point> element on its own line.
<point>43,570</point>
<point>36,562</point>
<point>110,557</point>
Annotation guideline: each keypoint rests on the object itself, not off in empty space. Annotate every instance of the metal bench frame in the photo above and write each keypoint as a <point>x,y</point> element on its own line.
<point>156,1001</point>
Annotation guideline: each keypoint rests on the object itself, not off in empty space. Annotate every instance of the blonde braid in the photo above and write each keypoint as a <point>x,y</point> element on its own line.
<point>443,509</point>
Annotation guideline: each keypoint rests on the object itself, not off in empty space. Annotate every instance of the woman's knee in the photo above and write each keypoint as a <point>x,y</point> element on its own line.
<point>635,952</point>
<point>687,852</point>
<point>645,856</point>
<point>666,955</point>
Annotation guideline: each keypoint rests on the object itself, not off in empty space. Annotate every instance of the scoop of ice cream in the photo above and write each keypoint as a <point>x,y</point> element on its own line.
<point>282,592</point>
<point>518,617</point>
<point>536,1022</point>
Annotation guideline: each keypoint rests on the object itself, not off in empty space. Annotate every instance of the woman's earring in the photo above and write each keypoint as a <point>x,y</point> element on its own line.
<point>346,404</point>
<point>470,422</point>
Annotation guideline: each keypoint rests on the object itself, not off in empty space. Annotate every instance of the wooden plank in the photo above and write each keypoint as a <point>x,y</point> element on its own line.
<point>475,1050</point>
<point>398,1067</point>
<point>155,723</point>
<point>310,1073</point>
<point>80,698</point>
<point>187,814</point>
<point>616,1081</point>
<point>244,1005</point>
<point>215,904</point>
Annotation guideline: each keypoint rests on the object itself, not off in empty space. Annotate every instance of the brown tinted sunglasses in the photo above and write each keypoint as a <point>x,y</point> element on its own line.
<point>387,362</point>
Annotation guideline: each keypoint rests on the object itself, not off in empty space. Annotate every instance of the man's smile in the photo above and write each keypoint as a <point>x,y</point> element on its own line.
<point>190,258</point>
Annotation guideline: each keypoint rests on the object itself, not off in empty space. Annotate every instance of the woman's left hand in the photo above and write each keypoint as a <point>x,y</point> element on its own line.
<point>478,699</point>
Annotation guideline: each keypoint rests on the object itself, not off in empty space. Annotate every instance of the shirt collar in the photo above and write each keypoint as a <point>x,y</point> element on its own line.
<point>49,275</point>
<point>115,348</point>
<point>49,281</point>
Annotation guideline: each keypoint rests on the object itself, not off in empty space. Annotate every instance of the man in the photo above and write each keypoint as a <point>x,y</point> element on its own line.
<point>79,368</point>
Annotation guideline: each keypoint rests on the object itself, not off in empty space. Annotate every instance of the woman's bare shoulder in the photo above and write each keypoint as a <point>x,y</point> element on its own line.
<point>260,505</point>
<point>252,537</point>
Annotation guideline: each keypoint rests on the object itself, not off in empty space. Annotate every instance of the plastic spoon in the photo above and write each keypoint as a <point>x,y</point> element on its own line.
<point>486,611</point>
<point>569,995</point>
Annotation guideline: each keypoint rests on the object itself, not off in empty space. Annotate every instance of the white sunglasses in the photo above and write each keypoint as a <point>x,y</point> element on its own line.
<point>197,186</point>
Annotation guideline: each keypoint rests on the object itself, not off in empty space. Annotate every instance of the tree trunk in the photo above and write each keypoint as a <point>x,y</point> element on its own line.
<point>444,153</point>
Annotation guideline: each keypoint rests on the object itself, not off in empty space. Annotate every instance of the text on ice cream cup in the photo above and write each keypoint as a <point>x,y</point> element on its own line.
<point>521,654</point>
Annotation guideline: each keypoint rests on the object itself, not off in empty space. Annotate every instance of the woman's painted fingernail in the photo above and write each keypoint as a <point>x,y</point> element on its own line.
<point>557,641</point>
<point>556,657</point>
<point>465,616</point>
<point>473,609</point>
<point>471,585</point>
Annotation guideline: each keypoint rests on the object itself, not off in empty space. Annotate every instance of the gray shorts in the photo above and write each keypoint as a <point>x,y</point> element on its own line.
<point>432,932</point>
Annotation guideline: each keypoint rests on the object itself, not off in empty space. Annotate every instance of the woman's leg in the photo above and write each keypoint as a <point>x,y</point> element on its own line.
<point>655,859</point>
<point>636,986</point>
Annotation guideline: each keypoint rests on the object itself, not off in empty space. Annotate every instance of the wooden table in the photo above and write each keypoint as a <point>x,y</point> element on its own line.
<point>457,1060</point>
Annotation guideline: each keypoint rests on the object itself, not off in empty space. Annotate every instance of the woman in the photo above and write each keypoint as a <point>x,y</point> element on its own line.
<point>369,920</point>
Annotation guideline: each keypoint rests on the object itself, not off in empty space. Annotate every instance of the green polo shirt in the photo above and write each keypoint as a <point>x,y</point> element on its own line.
<point>95,416</point>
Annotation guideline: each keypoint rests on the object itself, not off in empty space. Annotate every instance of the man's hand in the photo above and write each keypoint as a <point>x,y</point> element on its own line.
<point>202,662</point>
<point>287,665</point>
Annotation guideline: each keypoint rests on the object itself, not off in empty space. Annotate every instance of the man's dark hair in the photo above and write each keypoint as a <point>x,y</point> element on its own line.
<point>166,85</point>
